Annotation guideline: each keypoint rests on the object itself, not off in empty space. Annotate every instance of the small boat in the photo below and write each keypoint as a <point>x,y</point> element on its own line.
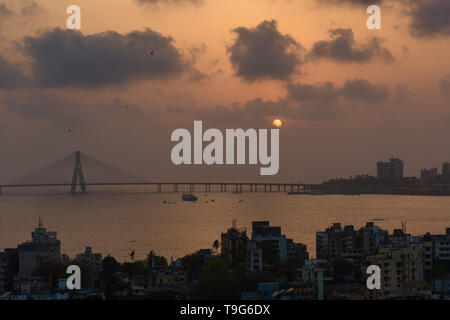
<point>189,197</point>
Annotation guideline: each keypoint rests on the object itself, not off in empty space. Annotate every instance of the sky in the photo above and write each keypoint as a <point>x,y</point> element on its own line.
<point>348,96</point>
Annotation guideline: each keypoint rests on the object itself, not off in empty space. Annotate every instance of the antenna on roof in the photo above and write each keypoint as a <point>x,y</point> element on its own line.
<point>40,223</point>
<point>404,226</point>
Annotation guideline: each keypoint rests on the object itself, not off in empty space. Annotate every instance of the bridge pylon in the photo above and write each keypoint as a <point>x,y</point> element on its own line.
<point>78,174</point>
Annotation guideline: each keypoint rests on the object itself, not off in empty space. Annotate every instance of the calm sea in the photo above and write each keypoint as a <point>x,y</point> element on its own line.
<point>117,221</point>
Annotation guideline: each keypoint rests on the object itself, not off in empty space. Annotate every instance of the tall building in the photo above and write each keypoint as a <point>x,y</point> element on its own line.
<point>436,247</point>
<point>265,234</point>
<point>234,245</point>
<point>44,246</point>
<point>296,251</point>
<point>446,169</point>
<point>253,256</point>
<point>401,269</point>
<point>348,243</point>
<point>9,265</point>
<point>392,170</point>
<point>313,273</point>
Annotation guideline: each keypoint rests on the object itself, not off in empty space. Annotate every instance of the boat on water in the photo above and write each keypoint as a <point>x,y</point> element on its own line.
<point>189,197</point>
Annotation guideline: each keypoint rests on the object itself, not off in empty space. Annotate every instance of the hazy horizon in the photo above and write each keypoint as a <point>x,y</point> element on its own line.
<point>348,96</point>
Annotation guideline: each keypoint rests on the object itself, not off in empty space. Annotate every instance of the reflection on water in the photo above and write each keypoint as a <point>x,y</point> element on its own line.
<point>116,221</point>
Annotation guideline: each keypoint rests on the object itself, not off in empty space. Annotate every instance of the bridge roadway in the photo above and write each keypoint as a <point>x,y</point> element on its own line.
<point>238,186</point>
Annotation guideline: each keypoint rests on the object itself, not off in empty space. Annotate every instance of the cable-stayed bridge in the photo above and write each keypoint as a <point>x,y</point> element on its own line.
<point>78,171</point>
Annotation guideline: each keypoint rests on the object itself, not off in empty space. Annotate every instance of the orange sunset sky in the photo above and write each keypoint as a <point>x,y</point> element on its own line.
<point>347,96</point>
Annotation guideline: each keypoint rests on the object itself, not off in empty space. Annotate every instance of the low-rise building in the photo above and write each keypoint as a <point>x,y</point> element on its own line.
<point>94,261</point>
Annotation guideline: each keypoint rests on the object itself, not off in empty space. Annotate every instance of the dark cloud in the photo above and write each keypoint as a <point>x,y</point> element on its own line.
<point>430,18</point>
<point>155,2</point>
<point>69,58</point>
<point>363,90</point>
<point>11,76</point>
<point>343,48</point>
<point>317,102</point>
<point>5,12</point>
<point>445,84</point>
<point>31,9</point>
<point>264,53</point>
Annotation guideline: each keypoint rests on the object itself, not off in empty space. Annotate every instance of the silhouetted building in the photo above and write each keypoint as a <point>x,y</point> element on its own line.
<point>233,245</point>
<point>296,251</point>
<point>9,266</point>
<point>253,256</point>
<point>435,247</point>
<point>392,170</point>
<point>44,247</point>
<point>269,236</point>
<point>348,243</point>
<point>446,169</point>
<point>93,260</point>
<point>428,175</point>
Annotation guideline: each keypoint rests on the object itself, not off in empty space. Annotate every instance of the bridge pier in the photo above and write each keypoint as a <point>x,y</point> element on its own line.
<point>175,187</point>
<point>159,187</point>
<point>191,188</point>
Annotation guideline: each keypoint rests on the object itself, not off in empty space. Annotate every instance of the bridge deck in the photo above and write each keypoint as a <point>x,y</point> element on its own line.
<point>238,186</point>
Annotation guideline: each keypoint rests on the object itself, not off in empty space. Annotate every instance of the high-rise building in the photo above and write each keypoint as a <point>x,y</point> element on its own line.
<point>234,245</point>
<point>296,251</point>
<point>313,273</point>
<point>348,243</point>
<point>9,265</point>
<point>43,247</point>
<point>446,169</point>
<point>392,170</point>
<point>401,268</point>
<point>253,256</point>
<point>265,234</point>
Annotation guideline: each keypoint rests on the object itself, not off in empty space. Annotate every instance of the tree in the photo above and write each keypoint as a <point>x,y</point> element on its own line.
<point>216,245</point>
<point>153,258</point>
<point>110,265</point>
<point>192,263</point>
<point>217,283</point>
<point>342,268</point>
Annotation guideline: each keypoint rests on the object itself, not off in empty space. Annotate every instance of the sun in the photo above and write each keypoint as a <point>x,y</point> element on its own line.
<point>277,123</point>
